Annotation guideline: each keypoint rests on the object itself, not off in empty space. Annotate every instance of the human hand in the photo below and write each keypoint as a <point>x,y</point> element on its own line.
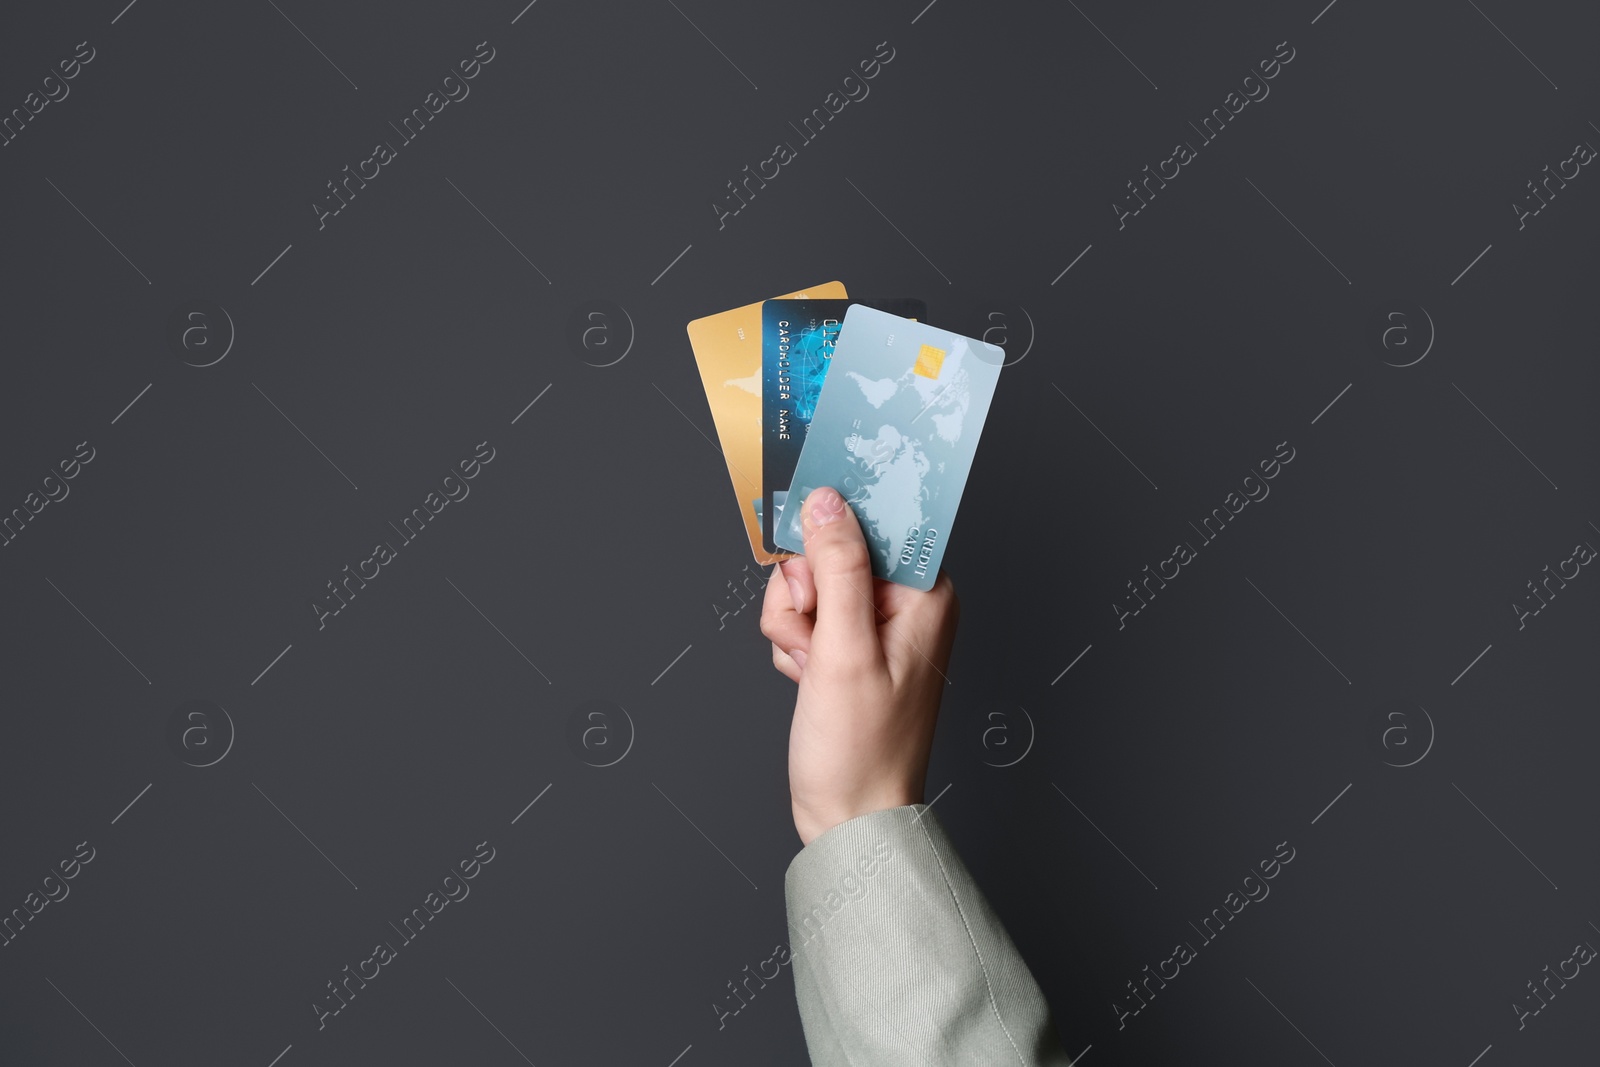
<point>869,657</point>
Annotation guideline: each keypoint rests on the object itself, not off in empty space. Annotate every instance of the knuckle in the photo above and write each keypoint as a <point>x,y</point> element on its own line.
<point>845,557</point>
<point>942,607</point>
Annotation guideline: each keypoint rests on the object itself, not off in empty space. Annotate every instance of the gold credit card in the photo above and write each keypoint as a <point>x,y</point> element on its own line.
<point>727,348</point>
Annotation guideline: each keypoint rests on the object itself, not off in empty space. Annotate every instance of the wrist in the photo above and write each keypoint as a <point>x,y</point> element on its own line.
<point>813,820</point>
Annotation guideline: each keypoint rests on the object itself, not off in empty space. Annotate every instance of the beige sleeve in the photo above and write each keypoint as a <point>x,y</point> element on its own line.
<point>898,957</point>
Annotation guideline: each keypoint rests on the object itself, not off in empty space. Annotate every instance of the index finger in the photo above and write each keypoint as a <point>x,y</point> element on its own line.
<point>780,622</point>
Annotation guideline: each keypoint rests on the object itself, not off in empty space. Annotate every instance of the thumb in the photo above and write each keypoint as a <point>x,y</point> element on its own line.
<point>842,572</point>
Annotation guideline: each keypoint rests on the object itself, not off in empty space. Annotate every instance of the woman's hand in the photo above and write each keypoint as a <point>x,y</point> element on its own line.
<point>870,659</point>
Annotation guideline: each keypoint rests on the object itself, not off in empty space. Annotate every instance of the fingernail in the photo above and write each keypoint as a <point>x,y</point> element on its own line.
<point>826,506</point>
<point>799,658</point>
<point>794,593</point>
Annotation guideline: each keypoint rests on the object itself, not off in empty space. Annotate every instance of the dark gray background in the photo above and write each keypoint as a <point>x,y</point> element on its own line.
<point>1285,670</point>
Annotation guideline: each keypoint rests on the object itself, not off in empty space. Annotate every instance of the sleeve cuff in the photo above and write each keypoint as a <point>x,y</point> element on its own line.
<point>898,957</point>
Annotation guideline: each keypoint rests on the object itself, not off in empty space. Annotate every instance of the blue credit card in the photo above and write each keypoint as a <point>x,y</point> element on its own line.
<point>797,343</point>
<point>894,431</point>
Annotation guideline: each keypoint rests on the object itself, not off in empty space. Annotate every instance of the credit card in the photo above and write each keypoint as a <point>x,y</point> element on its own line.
<point>797,344</point>
<point>894,432</point>
<point>727,349</point>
